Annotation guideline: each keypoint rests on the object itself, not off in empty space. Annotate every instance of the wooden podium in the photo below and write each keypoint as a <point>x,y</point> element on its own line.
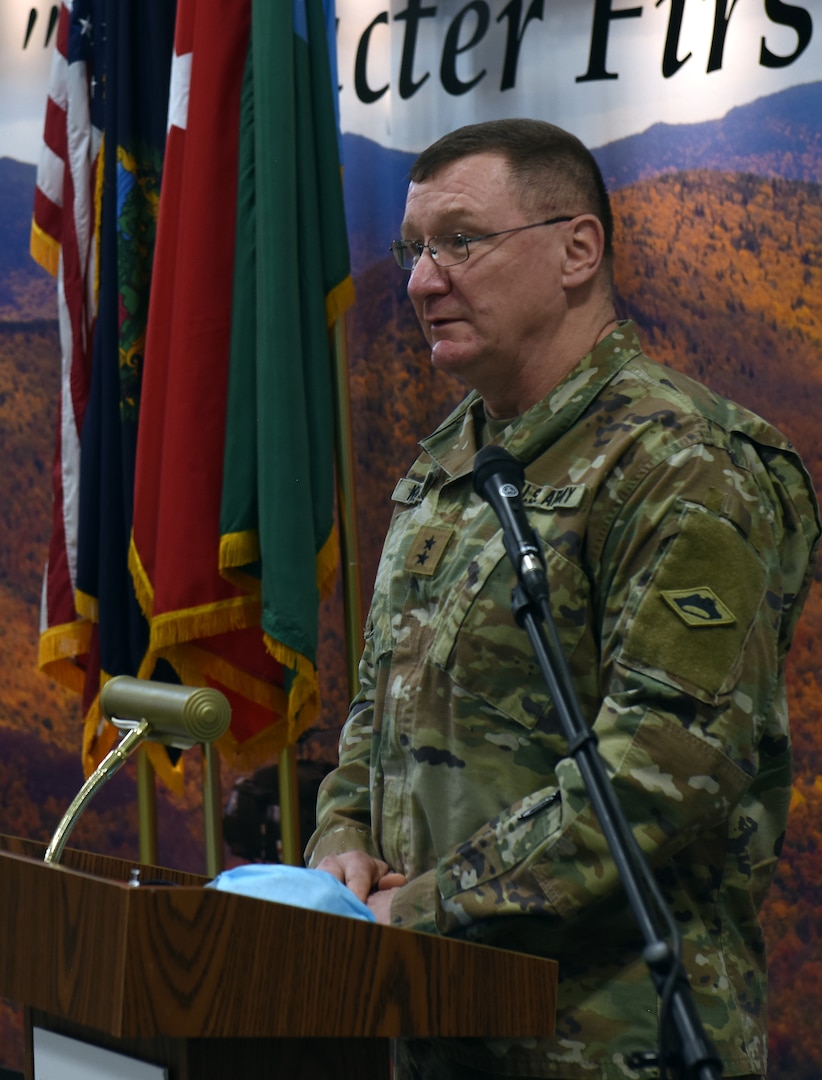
<point>213,985</point>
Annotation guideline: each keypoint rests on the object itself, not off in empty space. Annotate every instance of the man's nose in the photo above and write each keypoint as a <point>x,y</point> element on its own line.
<point>427,276</point>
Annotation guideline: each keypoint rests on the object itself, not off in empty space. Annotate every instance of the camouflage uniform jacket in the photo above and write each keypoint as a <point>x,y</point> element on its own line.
<point>678,532</point>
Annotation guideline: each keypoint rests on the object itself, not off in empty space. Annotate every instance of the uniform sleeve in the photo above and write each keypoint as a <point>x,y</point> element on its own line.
<point>698,587</point>
<point>344,802</point>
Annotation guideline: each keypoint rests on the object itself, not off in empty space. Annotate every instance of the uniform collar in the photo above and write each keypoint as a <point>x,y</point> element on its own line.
<point>455,442</point>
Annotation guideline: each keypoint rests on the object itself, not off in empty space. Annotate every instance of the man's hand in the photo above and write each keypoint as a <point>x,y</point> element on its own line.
<point>379,901</point>
<point>370,879</point>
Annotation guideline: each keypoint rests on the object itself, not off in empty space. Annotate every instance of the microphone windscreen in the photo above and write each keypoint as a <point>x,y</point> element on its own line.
<point>496,461</point>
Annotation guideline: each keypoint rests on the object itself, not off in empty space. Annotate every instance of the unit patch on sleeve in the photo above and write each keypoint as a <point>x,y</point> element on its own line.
<point>698,607</point>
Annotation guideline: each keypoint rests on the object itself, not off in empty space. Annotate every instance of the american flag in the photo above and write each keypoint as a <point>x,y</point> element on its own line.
<point>63,241</point>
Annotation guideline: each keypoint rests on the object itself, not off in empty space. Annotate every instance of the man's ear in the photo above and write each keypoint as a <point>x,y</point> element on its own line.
<point>584,249</point>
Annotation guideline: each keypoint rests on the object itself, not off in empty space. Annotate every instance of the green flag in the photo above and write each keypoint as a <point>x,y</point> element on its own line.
<point>291,282</point>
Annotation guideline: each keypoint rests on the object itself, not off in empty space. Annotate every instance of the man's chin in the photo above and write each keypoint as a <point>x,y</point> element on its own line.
<point>452,358</point>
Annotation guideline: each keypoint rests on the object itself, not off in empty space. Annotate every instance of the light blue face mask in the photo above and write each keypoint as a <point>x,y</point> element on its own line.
<point>294,885</point>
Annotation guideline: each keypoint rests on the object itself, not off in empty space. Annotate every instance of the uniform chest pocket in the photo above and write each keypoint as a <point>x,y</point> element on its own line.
<point>485,652</point>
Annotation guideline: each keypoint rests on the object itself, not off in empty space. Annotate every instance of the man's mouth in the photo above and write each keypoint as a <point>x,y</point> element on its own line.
<point>441,322</point>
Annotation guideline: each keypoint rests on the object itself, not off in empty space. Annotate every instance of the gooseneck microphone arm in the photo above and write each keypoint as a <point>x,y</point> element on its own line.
<point>111,764</point>
<point>499,479</point>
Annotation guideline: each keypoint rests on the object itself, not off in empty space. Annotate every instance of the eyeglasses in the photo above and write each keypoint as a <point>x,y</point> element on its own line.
<point>451,250</point>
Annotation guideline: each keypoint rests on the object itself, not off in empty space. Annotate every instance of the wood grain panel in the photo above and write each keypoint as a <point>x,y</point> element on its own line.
<point>183,961</point>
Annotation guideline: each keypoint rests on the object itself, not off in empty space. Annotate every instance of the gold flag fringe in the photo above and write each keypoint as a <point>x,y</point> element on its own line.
<point>87,606</point>
<point>58,648</point>
<point>339,300</point>
<point>173,636</point>
<point>238,549</point>
<point>44,249</point>
<point>143,588</point>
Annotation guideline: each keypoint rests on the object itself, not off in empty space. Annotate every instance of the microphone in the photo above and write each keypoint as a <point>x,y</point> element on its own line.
<point>179,716</point>
<point>499,479</point>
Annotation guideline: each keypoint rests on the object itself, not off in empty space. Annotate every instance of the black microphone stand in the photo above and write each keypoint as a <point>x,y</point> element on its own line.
<point>691,1053</point>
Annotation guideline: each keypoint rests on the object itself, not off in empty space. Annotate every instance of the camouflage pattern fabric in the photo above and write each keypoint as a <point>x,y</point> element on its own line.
<point>679,531</point>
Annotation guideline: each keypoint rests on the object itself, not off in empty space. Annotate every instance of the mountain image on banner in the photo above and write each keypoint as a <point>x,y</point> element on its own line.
<point>760,138</point>
<point>719,264</point>
<point>755,140</point>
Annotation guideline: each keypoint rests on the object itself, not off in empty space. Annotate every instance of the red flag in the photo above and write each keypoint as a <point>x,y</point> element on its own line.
<point>206,627</point>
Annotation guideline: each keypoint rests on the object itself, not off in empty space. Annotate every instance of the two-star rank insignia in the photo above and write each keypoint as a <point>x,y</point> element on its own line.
<point>427,549</point>
<point>698,607</point>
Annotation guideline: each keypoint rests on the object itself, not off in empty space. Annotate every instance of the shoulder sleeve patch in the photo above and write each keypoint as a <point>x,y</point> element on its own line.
<point>689,624</point>
<point>698,607</point>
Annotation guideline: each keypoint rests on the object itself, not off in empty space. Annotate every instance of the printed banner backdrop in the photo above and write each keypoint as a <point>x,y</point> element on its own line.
<point>706,116</point>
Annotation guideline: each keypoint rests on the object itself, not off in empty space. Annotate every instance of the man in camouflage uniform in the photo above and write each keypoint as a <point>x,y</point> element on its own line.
<point>678,532</point>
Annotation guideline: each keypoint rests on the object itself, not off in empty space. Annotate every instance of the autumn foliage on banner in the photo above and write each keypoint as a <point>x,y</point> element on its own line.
<point>722,273</point>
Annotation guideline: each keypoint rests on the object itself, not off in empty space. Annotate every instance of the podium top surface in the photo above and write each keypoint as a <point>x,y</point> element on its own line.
<point>183,961</point>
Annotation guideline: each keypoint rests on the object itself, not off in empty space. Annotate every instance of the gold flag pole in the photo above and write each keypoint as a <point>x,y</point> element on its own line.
<point>146,808</point>
<point>352,596</point>
<point>347,510</point>
<point>292,853</point>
